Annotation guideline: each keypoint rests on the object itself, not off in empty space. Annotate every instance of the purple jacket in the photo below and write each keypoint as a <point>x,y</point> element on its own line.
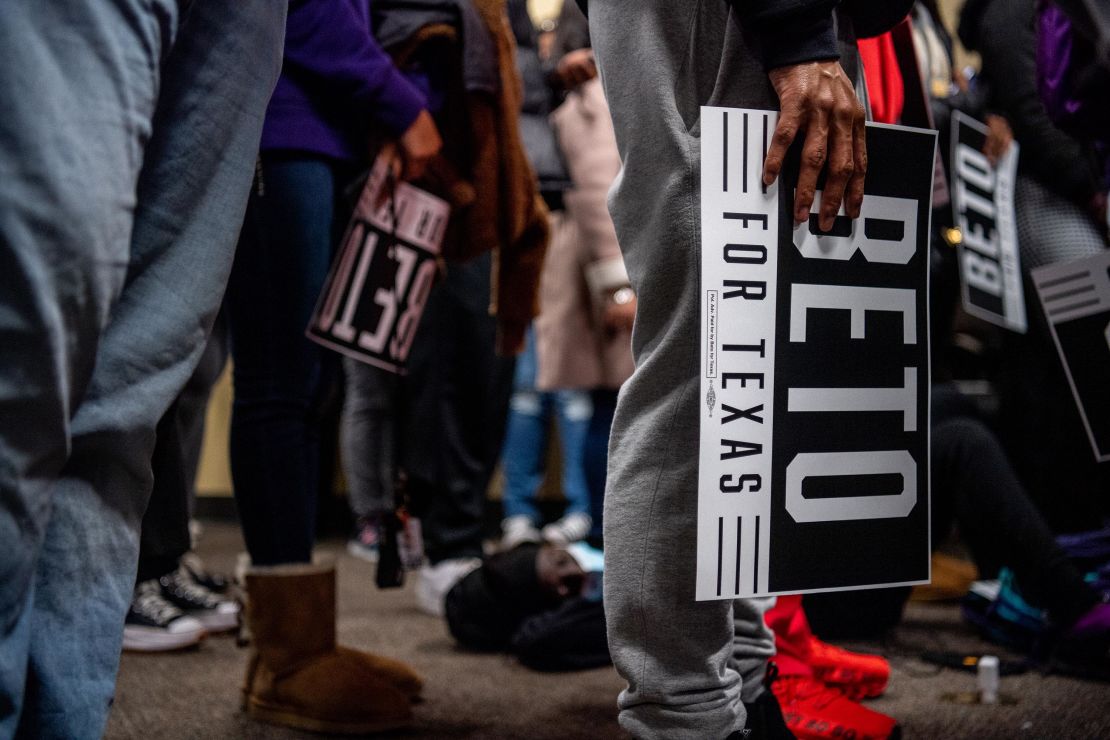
<point>336,84</point>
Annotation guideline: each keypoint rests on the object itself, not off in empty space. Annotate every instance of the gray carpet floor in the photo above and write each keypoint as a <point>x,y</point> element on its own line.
<point>194,694</point>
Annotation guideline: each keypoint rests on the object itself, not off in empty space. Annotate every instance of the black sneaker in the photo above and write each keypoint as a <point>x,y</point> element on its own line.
<point>217,583</point>
<point>215,612</point>
<point>154,624</point>
<point>765,720</point>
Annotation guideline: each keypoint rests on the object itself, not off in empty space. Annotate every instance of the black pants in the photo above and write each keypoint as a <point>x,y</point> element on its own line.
<point>977,489</point>
<point>283,380</point>
<point>596,459</point>
<point>455,402</point>
<point>1042,432</point>
<point>974,486</point>
<point>180,435</point>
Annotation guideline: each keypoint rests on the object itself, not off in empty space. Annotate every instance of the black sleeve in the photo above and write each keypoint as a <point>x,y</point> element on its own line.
<point>790,31</point>
<point>572,32</point>
<point>874,17</point>
<point>1009,66</point>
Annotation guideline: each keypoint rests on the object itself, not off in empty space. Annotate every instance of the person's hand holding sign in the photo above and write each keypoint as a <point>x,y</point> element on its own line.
<point>818,102</point>
<point>576,67</point>
<point>999,138</point>
<point>409,155</point>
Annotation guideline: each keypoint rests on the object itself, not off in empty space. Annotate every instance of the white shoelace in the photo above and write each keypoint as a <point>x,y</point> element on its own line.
<point>150,603</point>
<point>193,590</point>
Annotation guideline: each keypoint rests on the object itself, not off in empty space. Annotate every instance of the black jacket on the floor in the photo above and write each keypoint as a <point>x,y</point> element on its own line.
<point>499,608</point>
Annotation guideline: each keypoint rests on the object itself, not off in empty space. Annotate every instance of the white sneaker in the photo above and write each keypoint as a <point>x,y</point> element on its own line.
<point>516,530</point>
<point>435,581</point>
<point>154,624</point>
<point>571,528</point>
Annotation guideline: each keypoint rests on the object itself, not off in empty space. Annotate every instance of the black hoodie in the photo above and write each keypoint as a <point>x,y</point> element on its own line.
<point>1002,31</point>
<point>796,31</point>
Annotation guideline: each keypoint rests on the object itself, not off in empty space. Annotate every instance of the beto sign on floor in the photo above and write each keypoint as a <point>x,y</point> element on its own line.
<point>814,459</point>
<point>983,205</point>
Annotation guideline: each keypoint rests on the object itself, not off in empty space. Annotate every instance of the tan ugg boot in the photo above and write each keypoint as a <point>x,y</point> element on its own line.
<point>297,676</point>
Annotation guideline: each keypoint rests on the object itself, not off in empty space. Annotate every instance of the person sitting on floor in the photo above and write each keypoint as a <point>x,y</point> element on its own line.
<point>540,602</point>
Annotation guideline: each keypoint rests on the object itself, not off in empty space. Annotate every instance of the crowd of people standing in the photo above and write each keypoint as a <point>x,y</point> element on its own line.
<point>228,145</point>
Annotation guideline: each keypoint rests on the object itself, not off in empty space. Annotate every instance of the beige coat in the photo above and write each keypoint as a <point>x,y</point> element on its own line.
<point>583,261</point>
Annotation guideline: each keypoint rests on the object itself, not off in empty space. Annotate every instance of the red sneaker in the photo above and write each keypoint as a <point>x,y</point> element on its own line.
<point>814,711</point>
<point>857,675</point>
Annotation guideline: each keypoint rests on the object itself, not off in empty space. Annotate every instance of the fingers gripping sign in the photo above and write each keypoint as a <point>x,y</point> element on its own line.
<point>819,105</point>
<point>410,154</point>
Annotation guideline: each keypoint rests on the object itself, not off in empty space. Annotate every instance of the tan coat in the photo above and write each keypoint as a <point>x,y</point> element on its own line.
<point>583,260</point>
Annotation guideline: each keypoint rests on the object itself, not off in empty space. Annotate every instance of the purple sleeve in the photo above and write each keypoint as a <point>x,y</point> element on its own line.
<point>328,41</point>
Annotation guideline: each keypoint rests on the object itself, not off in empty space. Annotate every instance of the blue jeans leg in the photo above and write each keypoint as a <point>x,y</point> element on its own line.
<point>63,262</point>
<point>280,269</point>
<point>573,411</point>
<point>523,455</point>
<point>129,161</point>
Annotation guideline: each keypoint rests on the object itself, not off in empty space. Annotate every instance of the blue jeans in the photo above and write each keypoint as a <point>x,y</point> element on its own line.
<point>525,450</point>
<point>280,376</point>
<point>129,138</point>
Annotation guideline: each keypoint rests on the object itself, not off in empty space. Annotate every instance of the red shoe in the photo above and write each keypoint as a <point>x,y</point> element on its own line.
<point>857,675</point>
<point>814,711</point>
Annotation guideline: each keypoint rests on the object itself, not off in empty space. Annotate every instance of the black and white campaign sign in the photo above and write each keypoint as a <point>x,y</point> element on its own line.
<point>1076,300</point>
<point>814,454</point>
<point>983,205</point>
<point>379,282</point>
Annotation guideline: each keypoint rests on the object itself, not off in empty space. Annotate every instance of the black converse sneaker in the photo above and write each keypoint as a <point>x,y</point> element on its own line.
<point>216,613</point>
<point>217,583</point>
<point>154,624</point>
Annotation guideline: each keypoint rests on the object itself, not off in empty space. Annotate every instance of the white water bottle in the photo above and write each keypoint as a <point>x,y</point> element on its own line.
<point>988,679</point>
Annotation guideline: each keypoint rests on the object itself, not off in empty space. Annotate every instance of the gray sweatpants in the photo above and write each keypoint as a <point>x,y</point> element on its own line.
<point>368,436</point>
<point>688,664</point>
